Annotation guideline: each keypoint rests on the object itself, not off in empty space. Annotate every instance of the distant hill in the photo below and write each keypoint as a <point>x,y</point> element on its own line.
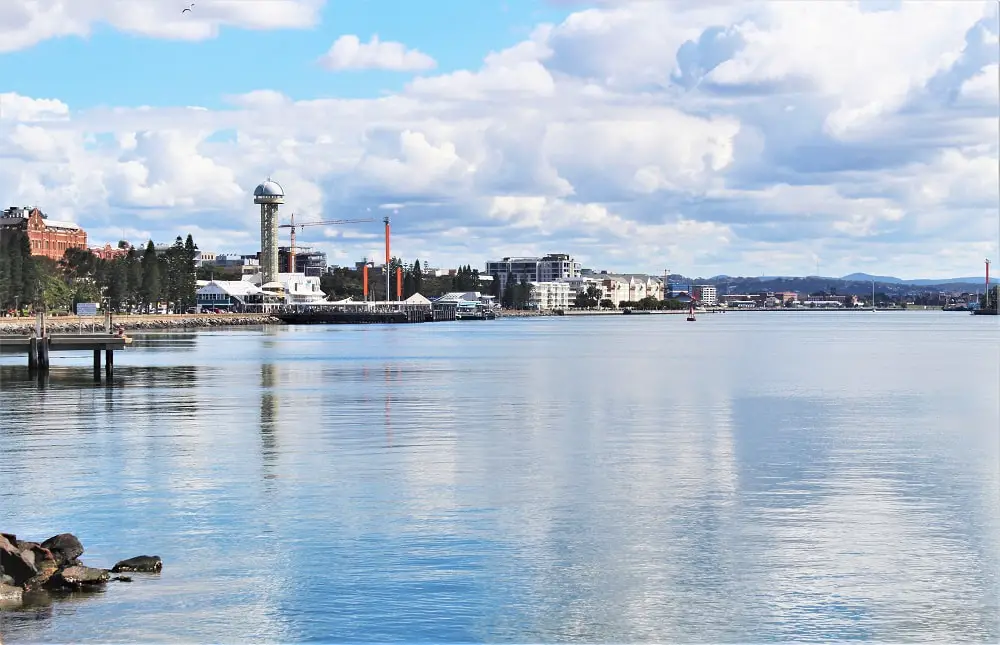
<point>865,277</point>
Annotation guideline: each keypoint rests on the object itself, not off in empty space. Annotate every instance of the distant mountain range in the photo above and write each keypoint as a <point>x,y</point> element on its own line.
<point>855,283</point>
<point>865,277</point>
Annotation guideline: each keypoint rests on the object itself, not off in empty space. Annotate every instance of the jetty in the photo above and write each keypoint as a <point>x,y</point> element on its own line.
<point>40,344</point>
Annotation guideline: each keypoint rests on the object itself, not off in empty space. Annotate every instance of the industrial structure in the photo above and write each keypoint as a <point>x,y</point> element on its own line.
<point>293,250</point>
<point>269,195</point>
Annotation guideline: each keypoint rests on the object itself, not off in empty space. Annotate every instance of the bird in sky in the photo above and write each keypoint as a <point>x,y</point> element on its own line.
<point>188,8</point>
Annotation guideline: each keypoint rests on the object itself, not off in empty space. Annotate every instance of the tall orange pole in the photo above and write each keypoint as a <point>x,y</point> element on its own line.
<point>364,278</point>
<point>387,296</point>
<point>399,283</point>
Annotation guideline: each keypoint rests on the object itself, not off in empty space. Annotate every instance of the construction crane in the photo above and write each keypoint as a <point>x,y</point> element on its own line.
<point>330,222</point>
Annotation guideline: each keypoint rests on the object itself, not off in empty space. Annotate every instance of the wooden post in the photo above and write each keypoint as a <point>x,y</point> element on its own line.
<point>43,354</point>
<point>32,355</point>
<point>97,365</point>
<point>109,363</point>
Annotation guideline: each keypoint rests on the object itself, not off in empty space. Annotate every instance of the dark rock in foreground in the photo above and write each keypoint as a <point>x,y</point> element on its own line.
<point>140,563</point>
<point>78,577</point>
<point>65,547</point>
<point>54,565</point>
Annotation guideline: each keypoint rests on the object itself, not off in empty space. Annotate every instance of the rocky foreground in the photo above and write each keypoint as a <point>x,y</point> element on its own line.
<point>71,324</point>
<point>54,565</point>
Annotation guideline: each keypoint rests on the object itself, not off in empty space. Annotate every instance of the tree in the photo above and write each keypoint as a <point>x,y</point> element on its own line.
<point>607,303</point>
<point>149,293</point>
<point>133,276</point>
<point>189,281</point>
<point>418,277</point>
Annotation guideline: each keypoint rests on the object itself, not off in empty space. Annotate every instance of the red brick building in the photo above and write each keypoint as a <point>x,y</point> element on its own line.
<point>49,238</point>
<point>108,252</point>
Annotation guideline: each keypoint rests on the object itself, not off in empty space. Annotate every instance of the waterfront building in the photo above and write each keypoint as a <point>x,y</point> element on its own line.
<point>549,295</point>
<point>706,294</point>
<point>49,238</point>
<point>549,268</point>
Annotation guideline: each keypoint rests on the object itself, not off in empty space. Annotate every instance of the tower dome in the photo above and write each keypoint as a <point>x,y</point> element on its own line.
<point>268,191</point>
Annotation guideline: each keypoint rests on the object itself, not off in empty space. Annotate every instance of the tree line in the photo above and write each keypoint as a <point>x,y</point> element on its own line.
<point>342,282</point>
<point>134,281</point>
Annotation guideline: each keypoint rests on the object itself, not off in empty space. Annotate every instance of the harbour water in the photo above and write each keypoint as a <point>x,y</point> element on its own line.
<point>744,478</point>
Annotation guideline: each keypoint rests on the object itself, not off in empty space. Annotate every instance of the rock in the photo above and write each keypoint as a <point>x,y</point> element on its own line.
<point>10,537</point>
<point>65,547</point>
<point>10,594</point>
<point>140,564</point>
<point>19,565</point>
<point>78,577</point>
<point>6,580</point>
<point>123,578</point>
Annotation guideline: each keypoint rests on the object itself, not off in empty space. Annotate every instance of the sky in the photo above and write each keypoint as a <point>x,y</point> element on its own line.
<point>702,137</point>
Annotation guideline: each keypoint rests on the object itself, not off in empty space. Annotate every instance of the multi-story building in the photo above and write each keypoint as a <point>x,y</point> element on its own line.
<point>49,238</point>
<point>307,261</point>
<point>108,252</point>
<point>204,258</point>
<point>706,294</point>
<point>549,268</point>
<point>549,295</point>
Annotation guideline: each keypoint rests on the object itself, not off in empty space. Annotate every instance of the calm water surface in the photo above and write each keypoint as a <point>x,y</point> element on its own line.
<point>751,477</point>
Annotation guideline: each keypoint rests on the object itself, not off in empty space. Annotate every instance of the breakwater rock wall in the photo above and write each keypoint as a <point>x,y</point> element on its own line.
<point>71,324</point>
<point>54,565</point>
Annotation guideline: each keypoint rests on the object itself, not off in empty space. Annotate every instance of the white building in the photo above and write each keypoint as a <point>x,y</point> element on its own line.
<point>232,295</point>
<point>549,268</point>
<point>203,258</point>
<point>549,295</point>
<point>706,294</point>
<point>295,288</point>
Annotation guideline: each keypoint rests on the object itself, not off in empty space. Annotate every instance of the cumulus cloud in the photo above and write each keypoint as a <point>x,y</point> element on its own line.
<point>709,137</point>
<point>349,53</point>
<point>24,23</point>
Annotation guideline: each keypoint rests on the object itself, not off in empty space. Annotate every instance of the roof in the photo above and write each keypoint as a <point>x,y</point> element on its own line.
<point>269,189</point>
<point>417,299</point>
<point>234,287</point>
<point>55,223</point>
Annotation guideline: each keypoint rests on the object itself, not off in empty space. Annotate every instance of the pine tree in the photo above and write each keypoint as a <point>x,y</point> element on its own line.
<point>133,271</point>
<point>189,285</point>
<point>149,293</point>
<point>418,277</point>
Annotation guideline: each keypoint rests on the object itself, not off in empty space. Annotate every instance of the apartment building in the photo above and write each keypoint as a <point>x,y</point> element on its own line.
<point>706,294</point>
<point>549,268</point>
<point>549,295</point>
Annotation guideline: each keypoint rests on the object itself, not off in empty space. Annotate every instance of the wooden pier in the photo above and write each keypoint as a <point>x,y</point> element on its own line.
<point>38,349</point>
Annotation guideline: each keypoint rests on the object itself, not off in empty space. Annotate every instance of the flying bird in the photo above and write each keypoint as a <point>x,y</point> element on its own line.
<point>188,8</point>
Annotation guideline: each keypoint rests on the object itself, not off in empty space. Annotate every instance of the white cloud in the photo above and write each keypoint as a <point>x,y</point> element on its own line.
<point>708,137</point>
<point>349,53</point>
<point>24,23</point>
<point>984,86</point>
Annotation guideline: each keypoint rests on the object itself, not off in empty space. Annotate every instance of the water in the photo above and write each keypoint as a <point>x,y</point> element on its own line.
<point>749,477</point>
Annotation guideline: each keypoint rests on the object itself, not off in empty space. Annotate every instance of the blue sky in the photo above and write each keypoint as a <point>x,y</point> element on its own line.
<point>110,67</point>
<point>707,137</point>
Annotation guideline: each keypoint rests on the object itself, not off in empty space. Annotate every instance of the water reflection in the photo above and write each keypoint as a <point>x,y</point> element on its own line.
<point>516,482</point>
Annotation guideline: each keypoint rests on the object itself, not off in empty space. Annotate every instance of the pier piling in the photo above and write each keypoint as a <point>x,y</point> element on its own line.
<point>97,365</point>
<point>109,364</point>
<point>32,355</point>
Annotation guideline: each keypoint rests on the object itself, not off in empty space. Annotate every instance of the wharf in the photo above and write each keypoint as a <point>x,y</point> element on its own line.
<point>38,346</point>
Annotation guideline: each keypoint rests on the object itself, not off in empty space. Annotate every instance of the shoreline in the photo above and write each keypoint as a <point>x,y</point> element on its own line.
<point>153,322</point>
<point>137,322</point>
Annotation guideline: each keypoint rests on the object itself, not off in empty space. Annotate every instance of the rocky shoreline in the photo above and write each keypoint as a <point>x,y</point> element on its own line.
<point>54,566</point>
<point>69,325</point>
